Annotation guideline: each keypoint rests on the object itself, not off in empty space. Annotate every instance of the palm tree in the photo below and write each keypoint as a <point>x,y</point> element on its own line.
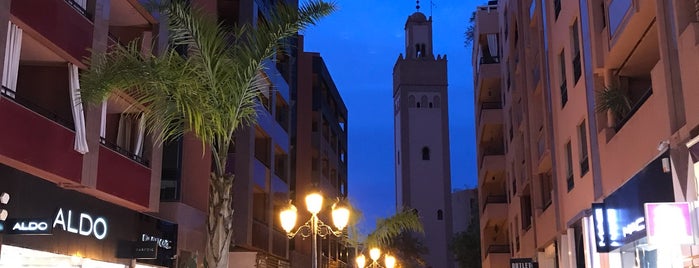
<point>396,235</point>
<point>211,92</point>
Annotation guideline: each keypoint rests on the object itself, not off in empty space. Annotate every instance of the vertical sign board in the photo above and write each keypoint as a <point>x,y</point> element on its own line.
<point>601,229</point>
<point>523,263</point>
<point>669,223</point>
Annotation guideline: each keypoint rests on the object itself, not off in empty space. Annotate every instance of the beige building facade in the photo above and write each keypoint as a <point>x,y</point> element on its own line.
<point>581,180</point>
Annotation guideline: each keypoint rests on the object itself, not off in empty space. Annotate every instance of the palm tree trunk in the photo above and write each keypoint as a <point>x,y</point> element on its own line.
<point>220,221</point>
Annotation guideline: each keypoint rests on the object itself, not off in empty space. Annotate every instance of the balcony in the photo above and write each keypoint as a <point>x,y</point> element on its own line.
<point>32,138</point>
<point>496,256</point>
<point>494,208</point>
<point>123,177</point>
<point>279,243</point>
<point>58,22</point>
<point>490,113</point>
<point>260,235</point>
<point>491,164</point>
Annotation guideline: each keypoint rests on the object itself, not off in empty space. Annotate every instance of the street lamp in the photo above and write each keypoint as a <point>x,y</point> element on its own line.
<point>314,226</point>
<point>375,254</point>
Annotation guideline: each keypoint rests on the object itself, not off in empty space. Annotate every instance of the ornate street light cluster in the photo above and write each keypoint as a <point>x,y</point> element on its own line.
<point>314,226</point>
<point>375,254</point>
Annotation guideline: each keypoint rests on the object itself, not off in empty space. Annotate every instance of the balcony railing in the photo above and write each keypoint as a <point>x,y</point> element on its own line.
<point>494,199</point>
<point>125,152</point>
<point>279,240</point>
<point>11,95</point>
<point>637,105</point>
<point>260,235</point>
<point>79,7</point>
<point>497,249</point>
<point>489,60</point>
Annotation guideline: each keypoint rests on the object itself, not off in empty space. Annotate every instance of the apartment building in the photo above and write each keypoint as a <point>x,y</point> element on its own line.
<point>82,180</point>
<point>90,176</point>
<point>319,154</point>
<point>598,131</point>
<point>259,159</point>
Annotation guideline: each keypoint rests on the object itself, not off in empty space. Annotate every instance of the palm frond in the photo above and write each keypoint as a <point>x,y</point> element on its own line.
<point>387,229</point>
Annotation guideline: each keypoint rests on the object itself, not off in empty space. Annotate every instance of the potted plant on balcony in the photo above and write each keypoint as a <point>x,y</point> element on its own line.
<point>614,101</point>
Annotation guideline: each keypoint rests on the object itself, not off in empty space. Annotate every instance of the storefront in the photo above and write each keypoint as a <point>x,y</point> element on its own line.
<point>55,227</point>
<point>640,224</point>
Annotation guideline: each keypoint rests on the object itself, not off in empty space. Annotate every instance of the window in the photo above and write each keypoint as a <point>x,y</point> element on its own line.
<point>411,101</point>
<point>425,153</point>
<point>440,215</point>
<point>584,162</point>
<point>569,166</point>
<point>423,101</point>
<point>436,101</point>
<point>564,86</point>
<point>546,189</point>
<point>575,44</point>
<point>526,210</point>
<point>557,7</point>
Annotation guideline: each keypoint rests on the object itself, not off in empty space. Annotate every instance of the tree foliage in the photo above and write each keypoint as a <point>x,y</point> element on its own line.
<point>210,92</point>
<point>466,245</point>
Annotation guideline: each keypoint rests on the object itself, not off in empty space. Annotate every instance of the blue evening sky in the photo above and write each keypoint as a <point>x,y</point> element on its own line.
<point>360,44</point>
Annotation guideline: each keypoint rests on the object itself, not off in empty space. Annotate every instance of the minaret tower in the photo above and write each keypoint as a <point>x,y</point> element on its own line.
<point>421,130</point>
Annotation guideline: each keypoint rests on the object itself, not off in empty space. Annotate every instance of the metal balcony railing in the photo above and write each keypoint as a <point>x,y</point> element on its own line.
<point>46,113</point>
<point>125,152</point>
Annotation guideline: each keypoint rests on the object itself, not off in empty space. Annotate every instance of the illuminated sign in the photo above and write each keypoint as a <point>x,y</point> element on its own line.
<point>669,223</point>
<point>522,263</point>
<point>28,226</point>
<point>163,243</point>
<point>86,224</point>
<point>612,229</point>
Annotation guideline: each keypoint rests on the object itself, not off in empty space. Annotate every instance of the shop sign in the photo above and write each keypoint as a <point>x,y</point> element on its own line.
<point>163,243</point>
<point>84,224</point>
<point>145,250</point>
<point>613,229</point>
<point>523,263</point>
<point>669,223</point>
<point>28,226</point>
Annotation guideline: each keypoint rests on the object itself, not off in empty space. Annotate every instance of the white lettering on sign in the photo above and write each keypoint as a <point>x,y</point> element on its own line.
<point>163,243</point>
<point>599,220</point>
<point>635,226</point>
<point>30,226</point>
<point>86,225</point>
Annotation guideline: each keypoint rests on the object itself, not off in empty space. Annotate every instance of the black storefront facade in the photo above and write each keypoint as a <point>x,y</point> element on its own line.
<point>621,221</point>
<point>46,223</point>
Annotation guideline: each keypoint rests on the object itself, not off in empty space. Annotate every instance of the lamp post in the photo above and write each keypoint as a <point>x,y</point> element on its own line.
<point>314,227</point>
<point>375,254</point>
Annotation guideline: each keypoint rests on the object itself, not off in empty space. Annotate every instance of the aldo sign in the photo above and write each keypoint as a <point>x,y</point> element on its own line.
<point>80,223</point>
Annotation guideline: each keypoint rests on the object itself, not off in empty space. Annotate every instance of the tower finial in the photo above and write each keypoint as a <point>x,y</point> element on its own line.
<point>418,5</point>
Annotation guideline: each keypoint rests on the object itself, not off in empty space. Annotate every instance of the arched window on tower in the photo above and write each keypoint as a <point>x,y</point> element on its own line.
<point>423,101</point>
<point>436,101</point>
<point>411,101</point>
<point>418,52</point>
<point>422,49</point>
<point>425,153</point>
<point>440,215</point>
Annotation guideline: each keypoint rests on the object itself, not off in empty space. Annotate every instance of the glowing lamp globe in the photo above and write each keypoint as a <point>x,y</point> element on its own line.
<point>288,218</point>
<point>314,202</point>
<point>390,261</point>
<point>340,216</point>
<point>374,254</point>
<point>361,261</point>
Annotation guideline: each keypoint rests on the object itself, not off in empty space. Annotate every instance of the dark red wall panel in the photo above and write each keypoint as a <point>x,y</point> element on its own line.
<point>37,141</point>
<point>58,22</point>
<point>123,177</point>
